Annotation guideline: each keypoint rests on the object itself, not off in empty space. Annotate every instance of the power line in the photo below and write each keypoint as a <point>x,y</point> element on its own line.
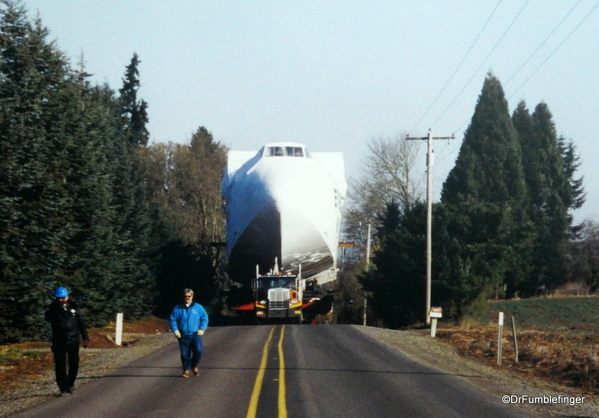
<point>539,47</point>
<point>536,50</point>
<point>444,153</point>
<point>543,43</point>
<point>459,65</point>
<point>555,50</point>
<point>482,63</point>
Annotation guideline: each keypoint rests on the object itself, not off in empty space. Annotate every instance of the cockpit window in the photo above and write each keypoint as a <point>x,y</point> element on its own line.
<point>275,152</point>
<point>285,151</point>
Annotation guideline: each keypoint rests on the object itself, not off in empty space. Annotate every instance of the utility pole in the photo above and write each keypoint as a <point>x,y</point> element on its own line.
<point>429,213</point>
<point>368,247</point>
<point>367,268</point>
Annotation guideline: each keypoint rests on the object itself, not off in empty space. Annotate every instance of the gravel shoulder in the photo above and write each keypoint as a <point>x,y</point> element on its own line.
<point>417,345</point>
<point>95,363</point>
<point>497,381</point>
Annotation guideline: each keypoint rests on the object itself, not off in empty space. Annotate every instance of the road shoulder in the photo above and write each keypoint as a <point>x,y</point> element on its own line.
<point>95,363</point>
<point>496,381</point>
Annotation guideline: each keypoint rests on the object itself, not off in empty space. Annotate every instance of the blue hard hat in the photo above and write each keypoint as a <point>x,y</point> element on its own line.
<point>61,292</point>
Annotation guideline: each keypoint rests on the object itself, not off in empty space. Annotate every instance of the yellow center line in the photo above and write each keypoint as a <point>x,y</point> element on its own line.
<point>258,385</point>
<point>253,407</point>
<point>282,399</point>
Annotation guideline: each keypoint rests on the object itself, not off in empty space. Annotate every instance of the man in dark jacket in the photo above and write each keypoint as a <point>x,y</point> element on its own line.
<point>67,325</point>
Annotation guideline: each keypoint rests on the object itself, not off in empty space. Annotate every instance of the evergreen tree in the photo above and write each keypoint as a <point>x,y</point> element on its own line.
<point>33,198</point>
<point>487,190</point>
<point>489,165</point>
<point>72,193</point>
<point>548,193</point>
<point>398,277</point>
<point>574,195</point>
<point>135,289</point>
<point>134,111</point>
<point>94,257</point>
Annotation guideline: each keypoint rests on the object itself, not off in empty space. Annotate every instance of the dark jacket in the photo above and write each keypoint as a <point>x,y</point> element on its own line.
<point>67,324</point>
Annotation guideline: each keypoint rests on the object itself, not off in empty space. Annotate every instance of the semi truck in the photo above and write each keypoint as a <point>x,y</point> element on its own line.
<point>278,296</point>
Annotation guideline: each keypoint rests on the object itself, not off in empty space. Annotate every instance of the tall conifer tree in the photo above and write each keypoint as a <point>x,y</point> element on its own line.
<point>72,191</point>
<point>574,195</point>
<point>487,188</point>
<point>545,180</point>
<point>489,165</point>
<point>135,288</point>
<point>33,198</point>
<point>550,193</point>
<point>94,256</point>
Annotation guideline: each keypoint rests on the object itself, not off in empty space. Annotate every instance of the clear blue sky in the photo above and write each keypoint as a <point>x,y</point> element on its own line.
<point>335,74</point>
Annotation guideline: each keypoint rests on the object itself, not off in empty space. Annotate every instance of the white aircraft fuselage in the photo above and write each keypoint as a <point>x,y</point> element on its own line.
<point>283,202</point>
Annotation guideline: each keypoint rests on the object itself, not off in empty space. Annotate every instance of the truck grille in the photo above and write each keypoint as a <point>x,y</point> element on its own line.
<point>278,298</point>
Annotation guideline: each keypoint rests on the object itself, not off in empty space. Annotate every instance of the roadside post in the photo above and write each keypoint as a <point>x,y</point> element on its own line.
<point>499,338</point>
<point>515,339</point>
<point>434,314</point>
<point>119,329</point>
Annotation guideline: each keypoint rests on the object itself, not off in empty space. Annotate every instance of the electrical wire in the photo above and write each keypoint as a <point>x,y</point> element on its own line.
<point>449,153</point>
<point>542,43</point>
<point>539,47</point>
<point>459,65</point>
<point>555,50</point>
<point>482,63</point>
<point>443,157</point>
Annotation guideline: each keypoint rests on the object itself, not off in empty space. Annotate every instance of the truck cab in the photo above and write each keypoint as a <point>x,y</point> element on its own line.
<point>278,296</point>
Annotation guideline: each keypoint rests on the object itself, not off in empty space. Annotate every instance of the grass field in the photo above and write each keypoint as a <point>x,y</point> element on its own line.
<point>565,314</point>
<point>558,339</point>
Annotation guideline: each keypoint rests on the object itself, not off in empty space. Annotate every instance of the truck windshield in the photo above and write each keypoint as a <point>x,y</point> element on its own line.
<point>272,282</point>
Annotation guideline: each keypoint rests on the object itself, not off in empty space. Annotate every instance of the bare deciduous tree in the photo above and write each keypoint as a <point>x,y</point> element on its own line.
<point>387,175</point>
<point>184,183</point>
<point>583,254</point>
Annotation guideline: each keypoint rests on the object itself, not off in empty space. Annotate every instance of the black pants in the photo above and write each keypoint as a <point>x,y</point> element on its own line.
<point>66,380</point>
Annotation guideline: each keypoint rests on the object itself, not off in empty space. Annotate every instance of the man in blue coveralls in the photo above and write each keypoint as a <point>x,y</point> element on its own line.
<point>188,321</point>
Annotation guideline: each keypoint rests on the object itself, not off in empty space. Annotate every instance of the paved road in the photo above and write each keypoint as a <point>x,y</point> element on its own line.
<point>279,371</point>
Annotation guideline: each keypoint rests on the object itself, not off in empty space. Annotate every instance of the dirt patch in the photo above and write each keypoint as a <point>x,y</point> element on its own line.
<point>24,362</point>
<point>18,366</point>
<point>104,337</point>
<point>568,359</point>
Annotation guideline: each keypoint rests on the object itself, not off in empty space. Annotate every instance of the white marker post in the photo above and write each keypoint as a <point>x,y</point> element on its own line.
<point>119,329</point>
<point>499,338</point>
<point>434,314</point>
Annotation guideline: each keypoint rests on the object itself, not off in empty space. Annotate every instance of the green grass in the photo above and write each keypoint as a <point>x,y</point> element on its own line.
<point>551,314</point>
<point>11,354</point>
